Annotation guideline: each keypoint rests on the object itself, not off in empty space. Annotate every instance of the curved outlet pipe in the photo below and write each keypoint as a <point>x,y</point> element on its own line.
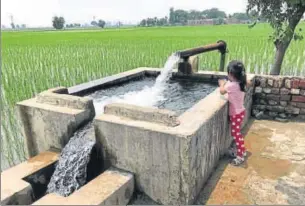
<point>221,46</point>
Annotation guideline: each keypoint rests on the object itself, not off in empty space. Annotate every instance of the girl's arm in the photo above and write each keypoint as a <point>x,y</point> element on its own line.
<point>222,86</point>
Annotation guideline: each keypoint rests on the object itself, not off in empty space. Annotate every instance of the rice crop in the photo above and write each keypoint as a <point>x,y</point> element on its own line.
<point>35,61</point>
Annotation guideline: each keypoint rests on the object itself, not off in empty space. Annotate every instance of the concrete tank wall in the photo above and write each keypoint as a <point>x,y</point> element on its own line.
<point>50,119</point>
<point>171,163</point>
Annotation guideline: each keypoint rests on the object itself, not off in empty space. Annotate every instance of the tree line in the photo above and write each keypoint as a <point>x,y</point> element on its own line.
<point>180,17</point>
<point>154,22</point>
<point>15,26</point>
<point>58,22</point>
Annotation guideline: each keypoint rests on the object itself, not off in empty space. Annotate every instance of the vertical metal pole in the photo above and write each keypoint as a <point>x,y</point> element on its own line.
<point>223,52</point>
<point>222,61</point>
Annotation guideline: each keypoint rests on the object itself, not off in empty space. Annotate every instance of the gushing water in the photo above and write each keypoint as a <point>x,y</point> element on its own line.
<point>71,170</point>
<point>148,96</point>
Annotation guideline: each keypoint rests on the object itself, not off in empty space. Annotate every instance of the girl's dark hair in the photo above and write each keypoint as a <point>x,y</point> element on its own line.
<point>237,70</point>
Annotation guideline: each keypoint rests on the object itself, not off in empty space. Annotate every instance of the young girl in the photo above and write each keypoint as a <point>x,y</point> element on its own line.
<point>235,88</point>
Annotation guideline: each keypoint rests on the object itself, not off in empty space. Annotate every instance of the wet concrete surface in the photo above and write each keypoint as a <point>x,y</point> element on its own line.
<point>274,172</point>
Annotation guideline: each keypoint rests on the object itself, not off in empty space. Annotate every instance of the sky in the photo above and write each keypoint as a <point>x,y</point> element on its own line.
<point>40,12</point>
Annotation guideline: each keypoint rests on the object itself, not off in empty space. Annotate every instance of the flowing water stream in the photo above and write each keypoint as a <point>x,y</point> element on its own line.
<point>71,170</point>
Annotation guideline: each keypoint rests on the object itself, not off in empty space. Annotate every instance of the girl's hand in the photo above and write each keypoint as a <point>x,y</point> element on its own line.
<point>221,82</point>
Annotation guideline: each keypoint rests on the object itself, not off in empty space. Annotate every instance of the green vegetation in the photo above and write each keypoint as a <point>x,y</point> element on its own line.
<point>283,16</point>
<point>181,17</point>
<point>58,22</point>
<point>35,61</point>
<point>100,23</point>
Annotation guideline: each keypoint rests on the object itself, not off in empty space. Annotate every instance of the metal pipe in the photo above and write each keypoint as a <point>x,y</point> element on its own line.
<point>222,62</point>
<point>221,46</point>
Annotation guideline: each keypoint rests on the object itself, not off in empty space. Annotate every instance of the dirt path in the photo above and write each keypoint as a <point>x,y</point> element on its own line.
<point>273,174</point>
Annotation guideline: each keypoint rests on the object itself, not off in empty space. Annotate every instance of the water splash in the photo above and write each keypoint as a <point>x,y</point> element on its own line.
<point>148,96</point>
<point>71,170</point>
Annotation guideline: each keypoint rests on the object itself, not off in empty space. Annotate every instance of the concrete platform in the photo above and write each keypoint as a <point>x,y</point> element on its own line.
<point>273,174</point>
<point>112,187</point>
<point>15,190</point>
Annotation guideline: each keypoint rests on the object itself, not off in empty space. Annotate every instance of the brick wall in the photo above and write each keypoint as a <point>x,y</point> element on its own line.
<point>278,97</point>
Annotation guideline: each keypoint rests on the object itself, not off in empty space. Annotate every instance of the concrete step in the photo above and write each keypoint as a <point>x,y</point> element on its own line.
<point>112,187</point>
<point>27,182</point>
<point>15,190</point>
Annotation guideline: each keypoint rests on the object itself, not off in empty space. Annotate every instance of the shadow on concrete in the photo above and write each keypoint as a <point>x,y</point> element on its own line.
<point>209,187</point>
<point>39,181</point>
<point>140,198</point>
